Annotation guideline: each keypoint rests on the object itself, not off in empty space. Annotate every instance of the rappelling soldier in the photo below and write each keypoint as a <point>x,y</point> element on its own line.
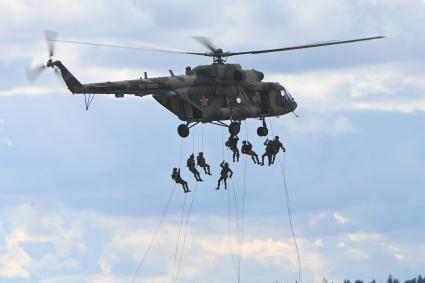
<point>247,149</point>
<point>200,161</point>
<point>225,170</point>
<point>192,168</point>
<point>178,179</point>
<point>270,149</point>
<point>277,145</point>
<point>232,143</point>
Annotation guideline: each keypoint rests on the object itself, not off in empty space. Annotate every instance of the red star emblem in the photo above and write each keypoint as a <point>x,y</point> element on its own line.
<point>204,101</point>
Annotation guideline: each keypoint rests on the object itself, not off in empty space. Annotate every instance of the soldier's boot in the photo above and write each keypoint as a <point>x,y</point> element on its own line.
<point>218,184</point>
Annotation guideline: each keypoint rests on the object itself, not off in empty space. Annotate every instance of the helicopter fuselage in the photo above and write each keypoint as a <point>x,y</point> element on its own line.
<point>215,92</point>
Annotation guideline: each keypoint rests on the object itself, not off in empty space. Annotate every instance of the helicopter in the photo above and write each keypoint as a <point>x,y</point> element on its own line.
<point>213,93</point>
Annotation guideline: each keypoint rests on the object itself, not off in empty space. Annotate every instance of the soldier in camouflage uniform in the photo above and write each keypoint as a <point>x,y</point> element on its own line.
<point>277,145</point>
<point>192,168</point>
<point>225,170</point>
<point>247,149</point>
<point>270,150</point>
<point>200,160</point>
<point>175,175</point>
<point>232,143</point>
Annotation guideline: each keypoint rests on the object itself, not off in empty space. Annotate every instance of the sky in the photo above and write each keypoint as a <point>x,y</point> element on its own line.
<point>82,192</point>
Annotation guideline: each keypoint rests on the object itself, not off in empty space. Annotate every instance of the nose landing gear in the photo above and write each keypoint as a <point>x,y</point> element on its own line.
<point>183,130</point>
<point>263,131</point>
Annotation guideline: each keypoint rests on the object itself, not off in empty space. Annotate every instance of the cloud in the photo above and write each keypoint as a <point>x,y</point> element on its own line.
<point>363,237</point>
<point>127,242</point>
<point>28,226</point>
<point>358,254</point>
<point>316,219</point>
<point>319,244</point>
<point>4,140</point>
<point>122,241</point>
<point>320,125</point>
<point>379,88</point>
<point>33,90</point>
<point>14,260</point>
<point>339,218</point>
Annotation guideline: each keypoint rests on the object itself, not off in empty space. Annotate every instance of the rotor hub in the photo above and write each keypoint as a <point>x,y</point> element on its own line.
<point>50,63</point>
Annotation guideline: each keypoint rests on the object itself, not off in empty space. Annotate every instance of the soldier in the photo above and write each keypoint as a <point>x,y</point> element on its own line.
<point>200,160</point>
<point>277,146</point>
<point>269,152</point>
<point>224,174</point>
<point>178,179</point>
<point>232,143</point>
<point>192,168</point>
<point>247,149</point>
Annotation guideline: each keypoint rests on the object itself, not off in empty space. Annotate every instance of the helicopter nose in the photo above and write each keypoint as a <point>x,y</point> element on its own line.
<point>293,105</point>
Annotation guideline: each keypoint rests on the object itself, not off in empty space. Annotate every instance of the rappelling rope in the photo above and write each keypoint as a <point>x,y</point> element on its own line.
<point>229,212</point>
<point>154,235</point>
<point>235,266</point>
<point>243,207</point>
<point>222,141</point>
<point>285,194</point>
<point>142,261</point>
<point>160,222</point>
<point>202,137</point>
<point>288,206</point>
<point>185,232</point>
<point>178,238</point>
<point>187,220</point>
<point>237,229</point>
<point>179,256</point>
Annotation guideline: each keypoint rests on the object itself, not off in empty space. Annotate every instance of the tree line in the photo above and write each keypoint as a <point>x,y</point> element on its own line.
<point>390,279</point>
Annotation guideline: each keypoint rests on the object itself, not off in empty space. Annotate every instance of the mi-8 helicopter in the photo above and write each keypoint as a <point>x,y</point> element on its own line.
<point>205,94</point>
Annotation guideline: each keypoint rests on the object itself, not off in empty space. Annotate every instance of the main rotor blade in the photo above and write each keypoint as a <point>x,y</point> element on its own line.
<point>51,38</point>
<point>33,73</point>
<point>126,47</point>
<point>327,43</point>
<point>205,41</point>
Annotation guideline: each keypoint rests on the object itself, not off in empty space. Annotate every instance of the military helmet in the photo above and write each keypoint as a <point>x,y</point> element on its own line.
<point>174,169</point>
<point>192,155</point>
<point>276,137</point>
<point>244,142</point>
<point>226,164</point>
<point>201,153</point>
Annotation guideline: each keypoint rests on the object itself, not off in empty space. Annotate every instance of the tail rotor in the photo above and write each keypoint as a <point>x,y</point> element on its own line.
<point>34,72</point>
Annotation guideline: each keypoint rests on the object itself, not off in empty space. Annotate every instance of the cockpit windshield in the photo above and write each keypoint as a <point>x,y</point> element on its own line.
<point>286,94</point>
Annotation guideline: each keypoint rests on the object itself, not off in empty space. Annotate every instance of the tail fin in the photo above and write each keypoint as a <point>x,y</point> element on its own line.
<point>71,82</point>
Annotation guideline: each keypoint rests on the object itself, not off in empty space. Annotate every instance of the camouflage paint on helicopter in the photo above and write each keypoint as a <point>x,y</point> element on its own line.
<point>207,93</point>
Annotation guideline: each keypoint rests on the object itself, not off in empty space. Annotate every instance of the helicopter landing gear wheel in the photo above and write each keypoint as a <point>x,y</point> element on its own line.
<point>183,130</point>
<point>234,128</point>
<point>262,131</point>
